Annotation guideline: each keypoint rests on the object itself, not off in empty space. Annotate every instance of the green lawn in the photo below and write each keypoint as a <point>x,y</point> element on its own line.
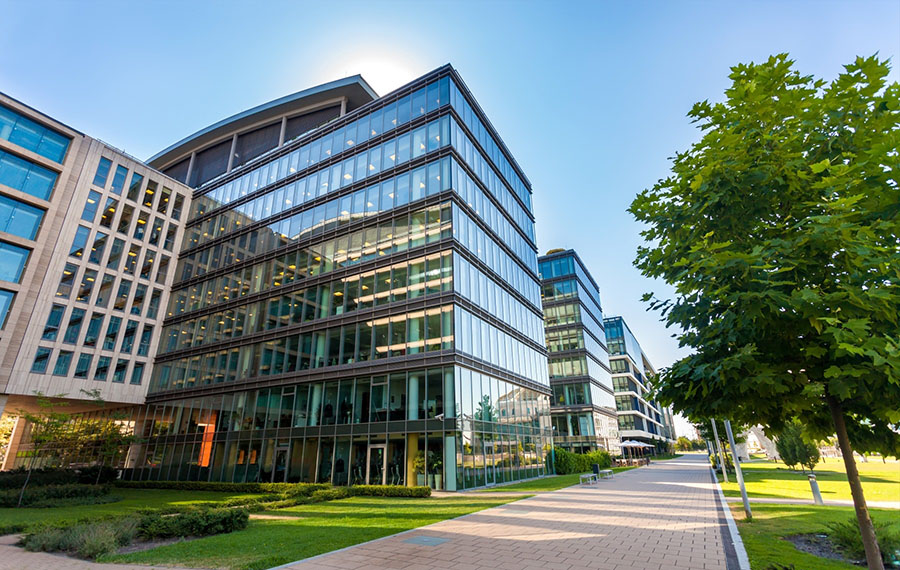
<point>311,530</point>
<point>132,499</point>
<point>763,537</point>
<point>552,483</point>
<point>767,479</point>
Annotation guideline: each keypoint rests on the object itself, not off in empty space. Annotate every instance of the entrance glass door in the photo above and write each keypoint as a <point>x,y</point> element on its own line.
<point>376,464</point>
<point>279,471</point>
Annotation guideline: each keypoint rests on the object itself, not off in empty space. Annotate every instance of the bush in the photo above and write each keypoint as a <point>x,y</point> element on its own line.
<point>193,523</point>
<point>330,494</point>
<point>794,448</point>
<point>15,478</point>
<point>846,536</point>
<point>54,495</point>
<point>295,489</point>
<point>85,540</point>
<point>568,462</point>
<point>390,491</point>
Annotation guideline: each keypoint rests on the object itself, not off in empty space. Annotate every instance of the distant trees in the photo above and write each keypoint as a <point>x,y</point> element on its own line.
<point>795,448</point>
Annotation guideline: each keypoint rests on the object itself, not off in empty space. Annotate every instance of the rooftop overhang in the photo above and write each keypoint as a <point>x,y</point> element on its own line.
<point>353,89</point>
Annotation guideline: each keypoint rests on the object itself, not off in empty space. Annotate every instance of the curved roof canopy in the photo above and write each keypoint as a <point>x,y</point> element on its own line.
<point>355,89</point>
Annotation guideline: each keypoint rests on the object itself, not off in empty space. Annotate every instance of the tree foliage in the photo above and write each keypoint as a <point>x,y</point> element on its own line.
<point>779,231</point>
<point>795,449</point>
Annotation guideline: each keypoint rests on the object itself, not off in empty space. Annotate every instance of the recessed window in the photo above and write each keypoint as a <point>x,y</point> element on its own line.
<point>19,174</point>
<point>137,374</point>
<point>83,365</point>
<point>109,212</point>
<point>122,296</point>
<point>128,337</point>
<point>125,219</point>
<point>51,329</point>
<point>28,134</point>
<point>102,172</point>
<point>90,207</point>
<point>19,219</point>
<point>112,332</point>
<point>93,330</point>
<point>87,285</point>
<point>105,290</point>
<point>63,362</point>
<point>6,299</point>
<point>67,281</point>
<point>121,370</point>
<point>134,189</point>
<point>41,359</point>
<point>80,242</point>
<point>102,370</point>
<point>98,248</point>
<point>12,262</point>
<point>74,328</point>
<point>150,193</point>
<point>118,182</point>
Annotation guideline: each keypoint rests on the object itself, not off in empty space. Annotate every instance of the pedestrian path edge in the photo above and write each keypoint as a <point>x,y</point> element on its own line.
<point>741,553</point>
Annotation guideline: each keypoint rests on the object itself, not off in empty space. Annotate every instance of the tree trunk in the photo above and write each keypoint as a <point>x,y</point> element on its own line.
<point>873,553</point>
<point>27,478</point>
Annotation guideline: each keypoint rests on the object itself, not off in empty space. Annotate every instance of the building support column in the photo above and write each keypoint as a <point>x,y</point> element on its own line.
<point>412,448</point>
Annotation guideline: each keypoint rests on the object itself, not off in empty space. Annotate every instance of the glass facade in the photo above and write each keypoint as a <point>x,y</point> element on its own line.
<point>367,298</point>
<point>583,407</point>
<point>32,136</point>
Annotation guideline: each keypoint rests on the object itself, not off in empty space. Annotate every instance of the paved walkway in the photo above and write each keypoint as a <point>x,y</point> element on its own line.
<point>664,516</point>
<point>15,558</point>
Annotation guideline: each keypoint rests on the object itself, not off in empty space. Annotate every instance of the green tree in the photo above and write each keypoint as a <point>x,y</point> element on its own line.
<point>779,231</point>
<point>47,427</point>
<point>795,449</point>
<point>683,444</point>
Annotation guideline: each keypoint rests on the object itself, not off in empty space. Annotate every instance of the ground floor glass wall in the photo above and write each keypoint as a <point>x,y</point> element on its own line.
<point>449,427</point>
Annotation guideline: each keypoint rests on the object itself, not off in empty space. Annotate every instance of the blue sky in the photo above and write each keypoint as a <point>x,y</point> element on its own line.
<point>590,97</point>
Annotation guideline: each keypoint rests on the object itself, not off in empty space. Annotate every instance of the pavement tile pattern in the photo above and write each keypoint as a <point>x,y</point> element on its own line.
<point>661,517</point>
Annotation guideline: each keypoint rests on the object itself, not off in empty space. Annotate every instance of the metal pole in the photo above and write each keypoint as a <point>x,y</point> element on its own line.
<point>721,453</point>
<point>737,470</point>
<point>814,485</point>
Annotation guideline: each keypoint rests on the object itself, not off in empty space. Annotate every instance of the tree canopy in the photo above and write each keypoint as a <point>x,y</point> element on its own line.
<point>779,230</point>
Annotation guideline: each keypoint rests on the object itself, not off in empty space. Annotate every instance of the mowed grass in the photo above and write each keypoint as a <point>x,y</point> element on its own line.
<point>132,500</point>
<point>544,484</point>
<point>768,479</point>
<point>764,537</point>
<point>310,530</point>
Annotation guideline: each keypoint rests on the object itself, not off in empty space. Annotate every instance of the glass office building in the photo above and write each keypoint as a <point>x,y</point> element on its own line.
<point>640,417</point>
<point>357,302</point>
<point>583,409</point>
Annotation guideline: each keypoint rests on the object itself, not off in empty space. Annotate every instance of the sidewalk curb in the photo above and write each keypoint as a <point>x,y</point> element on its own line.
<point>742,559</point>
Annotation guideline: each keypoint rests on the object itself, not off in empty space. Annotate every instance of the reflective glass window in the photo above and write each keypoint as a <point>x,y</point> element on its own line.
<point>12,262</point>
<point>91,205</point>
<point>118,182</point>
<point>104,291</point>
<point>19,174</point>
<point>120,371</point>
<point>102,172</point>
<point>51,329</point>
<point>87,285</point>
<point>67,281</point>
<point>102,370</point>
<point>28,134</point>
<point>19,219</point>
<point>112,332</point>
<point>80,242</point>
<point>93,330</point>
<point>41,359</point>
<point>63,362</point>
<point>6,299</point>
<point>83,365</point>
<point>98,248</point>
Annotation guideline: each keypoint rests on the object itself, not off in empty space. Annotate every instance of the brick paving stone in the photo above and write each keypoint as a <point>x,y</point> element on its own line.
<point>661,516</point>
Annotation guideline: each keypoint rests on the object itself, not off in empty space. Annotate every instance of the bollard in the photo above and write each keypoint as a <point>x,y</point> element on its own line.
<point>814,485</point>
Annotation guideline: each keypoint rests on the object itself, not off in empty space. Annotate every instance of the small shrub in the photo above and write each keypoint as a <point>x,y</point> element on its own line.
<point>278,488</point>
<point>15,478</point>
<point>88,540</point>
<point>96,540</point>
<point>845,535</point>
<point>568,462</point>
<point>330,494</point>
<point>193,523</point>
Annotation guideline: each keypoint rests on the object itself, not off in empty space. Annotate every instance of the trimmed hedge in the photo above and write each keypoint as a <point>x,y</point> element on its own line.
<point>568,462</point>
<point>15,478</point>
<point>52,495</point>
<point>193,523</point>
<point>295,489</point>
<point>390,491</point>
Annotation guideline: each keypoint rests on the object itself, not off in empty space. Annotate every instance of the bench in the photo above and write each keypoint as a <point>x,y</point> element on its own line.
<point>588,479</point>
<point>606,473</point>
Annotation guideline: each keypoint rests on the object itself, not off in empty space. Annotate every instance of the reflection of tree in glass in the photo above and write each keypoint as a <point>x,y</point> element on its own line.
<point>486,411</point>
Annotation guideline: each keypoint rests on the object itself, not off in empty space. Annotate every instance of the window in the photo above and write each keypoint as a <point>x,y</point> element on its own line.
<point>153,306</point>
<point>102,369</point>
<point>80,242</point>
<point>33,136</point>
<point>128,337</point>
<point>53,321</point>
<point>147,266</point>
<point>67,282</point>
<point>149,194</point>
<point>156,231</point>
<point>169,243</point>
<point>163,204</point>
<point>98,248</point>
<point>137,374</point>
<point>140,293</point>
<point>93,330</point>
<point>19,219</point>
<point>109,211</point>
<point>146,337</point>
<point>22,175</point>
<point>12,261</point>
<point>83,365</point>
<point>121,370</point>
<point>112,331</point>
<point>90,207</point>
<point>41,359</point>
<point>141,227</point>
<point>163,270</point>
<point>102,172</point>
<point>115,254</point>
<point>74,328</point>
<point>122,296</point>
<point>87,285</point>
<point>6,299</point>
<point>63,361</point>
<point>118,182</point>
<point>125,220</point>
<point>132,258</point>
<point>134,189</point>
<point>176,208</point>
<point>105,290</point>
